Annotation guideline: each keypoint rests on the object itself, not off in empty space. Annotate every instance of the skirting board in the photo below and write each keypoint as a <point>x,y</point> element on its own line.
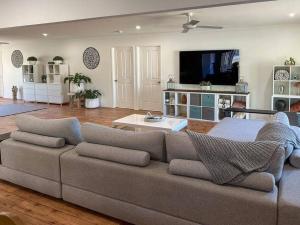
<point>119,209</point>
<point>35,183</point>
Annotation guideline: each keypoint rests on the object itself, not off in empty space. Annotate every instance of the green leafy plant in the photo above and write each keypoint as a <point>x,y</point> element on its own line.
<point>205,83</point>
<point>32,58</point>
<point>58,58</point>
<point>92,94</point>
<point>77,79</point>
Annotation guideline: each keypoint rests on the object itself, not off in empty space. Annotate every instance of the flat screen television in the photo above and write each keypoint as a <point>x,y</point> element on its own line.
<point>220,67</point>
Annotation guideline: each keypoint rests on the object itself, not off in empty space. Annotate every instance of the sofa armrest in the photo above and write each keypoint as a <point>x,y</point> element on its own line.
<point>289,197</point>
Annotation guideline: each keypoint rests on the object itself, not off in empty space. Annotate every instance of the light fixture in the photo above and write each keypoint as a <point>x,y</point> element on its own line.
<point>138,27</point>
<point>292,14</point>
<point>45,35</point>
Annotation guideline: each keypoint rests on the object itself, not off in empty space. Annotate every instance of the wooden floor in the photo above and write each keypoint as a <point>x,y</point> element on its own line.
<point>38,209</point>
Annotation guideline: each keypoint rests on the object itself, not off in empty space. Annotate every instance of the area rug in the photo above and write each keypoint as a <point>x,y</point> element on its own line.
<point>12,109</point>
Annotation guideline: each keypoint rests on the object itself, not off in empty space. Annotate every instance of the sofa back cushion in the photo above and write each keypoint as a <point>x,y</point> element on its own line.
<point>180,146</point>
<point>67,128</point>
<point>152,142</point>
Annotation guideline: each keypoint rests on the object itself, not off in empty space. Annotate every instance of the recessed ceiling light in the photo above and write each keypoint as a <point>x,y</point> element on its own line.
<point>138,27</point>
<point>45,35</point>
<point>292,14</point>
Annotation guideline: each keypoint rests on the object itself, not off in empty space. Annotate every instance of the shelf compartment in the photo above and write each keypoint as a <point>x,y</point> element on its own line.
<point>181,98</point>
<point>281,87</point>
<point>295,105</point>
<point>169,98</point>
<point>208,100</point>
<point>181,111</point>
<point>295,73</point>
<point>195,112</point>
<point>195,99</point>
<point>208,113</point>
<point>281,104</point>
<point>170,110</point>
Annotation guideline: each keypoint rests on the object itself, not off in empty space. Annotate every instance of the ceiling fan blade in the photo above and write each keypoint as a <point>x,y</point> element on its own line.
<point>185,31</point>
<point>193,22</point>
<point>210,27</point>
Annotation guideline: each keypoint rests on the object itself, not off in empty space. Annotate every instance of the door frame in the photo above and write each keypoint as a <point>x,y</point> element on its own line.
<point>136,73</point>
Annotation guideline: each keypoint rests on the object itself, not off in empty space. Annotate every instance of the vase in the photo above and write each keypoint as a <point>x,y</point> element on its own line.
<point>183,99</point>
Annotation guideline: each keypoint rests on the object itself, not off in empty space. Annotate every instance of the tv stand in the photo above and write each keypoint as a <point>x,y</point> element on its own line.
<point>203,105</point>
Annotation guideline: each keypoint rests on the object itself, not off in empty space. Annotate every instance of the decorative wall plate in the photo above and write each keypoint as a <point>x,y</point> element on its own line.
<point>17,58</point>
<point>91,58</point>
<point>282,75</point>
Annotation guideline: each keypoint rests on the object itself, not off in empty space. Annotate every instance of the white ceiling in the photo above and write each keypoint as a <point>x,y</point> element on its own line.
<point>231,17</point>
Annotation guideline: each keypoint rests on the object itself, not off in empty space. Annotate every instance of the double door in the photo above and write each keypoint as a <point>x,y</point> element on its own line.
<point>137,77</point>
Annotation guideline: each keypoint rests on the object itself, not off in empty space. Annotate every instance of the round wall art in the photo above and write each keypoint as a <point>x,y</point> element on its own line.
<point>17,58</point>
<point>91,58</point>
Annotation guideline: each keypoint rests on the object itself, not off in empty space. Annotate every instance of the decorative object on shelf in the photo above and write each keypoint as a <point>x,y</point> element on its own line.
<point>92,98</point>
<point>281,89</point>
<point>280,105</point>
<point>44,78</point>
<point>183,99</point>
<point>171,84</point>
<point>77,82</point>
<point>14,92</point>
<point>51,63</point>
<point>295,107</point>
<point>205,86</point>
<point>224,103</point>
<point>241,86</point>
<point>152,118</point>
<point>290,62</point>
<point>32,60</point>
<point>91,58</point>
<point>17,58</point>
<point>58,60</point>
<point>282,75</point>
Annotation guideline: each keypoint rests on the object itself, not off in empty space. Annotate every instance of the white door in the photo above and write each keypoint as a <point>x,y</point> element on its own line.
<point>1,74</point>
<point>124,77</point>
<point>150,78</point>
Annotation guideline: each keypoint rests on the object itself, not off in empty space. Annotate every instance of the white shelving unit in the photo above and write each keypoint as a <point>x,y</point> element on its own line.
<point>54,91</point>
<point>286,92</point>
<point>200,105</point>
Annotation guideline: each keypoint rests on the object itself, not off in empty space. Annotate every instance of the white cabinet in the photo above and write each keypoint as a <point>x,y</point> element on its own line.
<point>54,91</point>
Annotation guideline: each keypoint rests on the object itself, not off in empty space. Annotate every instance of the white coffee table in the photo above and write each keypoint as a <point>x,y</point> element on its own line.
<point>137,121</point>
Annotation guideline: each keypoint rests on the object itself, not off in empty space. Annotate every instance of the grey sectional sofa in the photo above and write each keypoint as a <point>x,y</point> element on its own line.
<point>140,189</point>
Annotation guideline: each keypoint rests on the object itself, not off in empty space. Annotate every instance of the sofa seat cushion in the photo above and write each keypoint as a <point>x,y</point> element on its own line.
<point>148,141</point>
<point>67,128</point>
<point>32,159</point>
<point>152,187</point>
<point>289,197</point>
<point>230,128</point>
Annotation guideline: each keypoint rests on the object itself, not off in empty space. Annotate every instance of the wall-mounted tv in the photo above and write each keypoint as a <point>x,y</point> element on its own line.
<point>220,67</point>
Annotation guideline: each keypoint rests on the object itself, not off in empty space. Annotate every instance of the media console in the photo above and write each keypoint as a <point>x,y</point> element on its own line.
<point>203,105</point>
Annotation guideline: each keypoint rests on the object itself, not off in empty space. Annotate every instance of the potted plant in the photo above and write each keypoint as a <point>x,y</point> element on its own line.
<point>205,86</point>
<point>92,99</point>
<point>77,82</point>
<point>58,60</point>
<point>32,60</point>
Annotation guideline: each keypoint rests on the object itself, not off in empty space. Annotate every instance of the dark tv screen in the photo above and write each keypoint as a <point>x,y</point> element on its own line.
<point>220,67</point>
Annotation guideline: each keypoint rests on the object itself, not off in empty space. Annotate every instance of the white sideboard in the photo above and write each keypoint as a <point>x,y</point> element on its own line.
<point>55,93</point>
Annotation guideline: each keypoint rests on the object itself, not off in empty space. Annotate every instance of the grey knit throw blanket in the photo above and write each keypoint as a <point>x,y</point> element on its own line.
<point>231,161</point>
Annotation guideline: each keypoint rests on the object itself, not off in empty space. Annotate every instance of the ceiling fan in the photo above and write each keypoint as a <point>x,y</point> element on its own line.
<point>192,24</point>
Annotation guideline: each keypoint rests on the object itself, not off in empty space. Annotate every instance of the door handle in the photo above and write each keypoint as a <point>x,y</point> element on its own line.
<point>115,80</point>
<point>158,82</point>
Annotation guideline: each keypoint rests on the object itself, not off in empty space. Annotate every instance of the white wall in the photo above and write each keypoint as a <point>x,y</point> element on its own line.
<point>1,73</point>
<point>260,49</point>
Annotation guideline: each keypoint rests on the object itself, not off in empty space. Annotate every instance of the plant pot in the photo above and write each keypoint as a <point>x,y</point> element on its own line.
<point>32,62</point>
<point>74,88</point>
<point>57,62</point>
<point>92,103</point>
